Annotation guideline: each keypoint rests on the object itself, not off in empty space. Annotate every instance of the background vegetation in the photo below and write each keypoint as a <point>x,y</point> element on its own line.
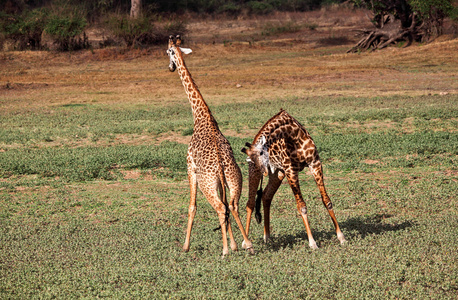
<point>64,23</point>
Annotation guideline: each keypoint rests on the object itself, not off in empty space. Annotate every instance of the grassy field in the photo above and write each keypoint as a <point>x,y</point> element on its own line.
<point>94,196</point>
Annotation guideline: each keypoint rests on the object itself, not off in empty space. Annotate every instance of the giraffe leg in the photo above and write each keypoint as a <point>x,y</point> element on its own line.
<point>192,208</point>
<point>235,187</point>
<point>293,180</point>
<point>254,177</point>
<point>269,192</point>
<point>222,221</point>
<point>220,208</point>
<point>229,228</point>
<point>317,172</point>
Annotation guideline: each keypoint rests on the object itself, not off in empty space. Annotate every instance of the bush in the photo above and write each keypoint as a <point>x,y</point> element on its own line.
<point>433,13</point>
<point>141,31</point>
<point>24,29</point>
<point>230,9</point>
<point>259,8</point>
<point>66,31</point>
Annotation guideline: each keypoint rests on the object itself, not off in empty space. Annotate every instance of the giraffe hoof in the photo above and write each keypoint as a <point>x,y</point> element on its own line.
<point>313,245</point>
<point>342,239</point>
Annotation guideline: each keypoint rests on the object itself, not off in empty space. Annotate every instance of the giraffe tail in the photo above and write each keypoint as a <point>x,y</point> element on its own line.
<point>224,200</point>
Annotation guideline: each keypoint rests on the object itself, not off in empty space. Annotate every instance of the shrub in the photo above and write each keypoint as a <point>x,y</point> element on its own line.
<point>66,31</point>
<point>141,31</point>
<point>131,31</point>
<point>433,13</point>
<point>24,29</point>
<point>230,9</point>
<point>259,8</point>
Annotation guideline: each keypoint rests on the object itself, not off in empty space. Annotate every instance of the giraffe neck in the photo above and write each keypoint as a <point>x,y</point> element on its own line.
<point>200,109</point>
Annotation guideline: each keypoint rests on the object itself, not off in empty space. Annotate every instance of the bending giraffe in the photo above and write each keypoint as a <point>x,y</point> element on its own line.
<point>284,148</point>
<point>211,163</point>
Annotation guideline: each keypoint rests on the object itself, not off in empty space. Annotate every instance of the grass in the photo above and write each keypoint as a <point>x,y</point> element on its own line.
<point>94,195</point>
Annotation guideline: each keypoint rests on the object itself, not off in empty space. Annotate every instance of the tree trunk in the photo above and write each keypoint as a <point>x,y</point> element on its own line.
<point>135,9</point>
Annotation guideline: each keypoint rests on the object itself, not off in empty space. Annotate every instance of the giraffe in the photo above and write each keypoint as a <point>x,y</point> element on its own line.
<point>210,160</point>
<point>283,148</point>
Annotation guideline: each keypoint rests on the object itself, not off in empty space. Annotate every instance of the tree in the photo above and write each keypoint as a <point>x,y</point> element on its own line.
<point>136,8</point>
<point>403,21</point>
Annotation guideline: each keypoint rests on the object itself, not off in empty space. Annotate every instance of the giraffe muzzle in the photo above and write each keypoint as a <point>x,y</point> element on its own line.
<point>172,67</point>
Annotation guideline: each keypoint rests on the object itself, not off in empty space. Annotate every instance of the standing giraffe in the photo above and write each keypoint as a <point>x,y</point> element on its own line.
<point>284,148</point>
<point>211,163</point>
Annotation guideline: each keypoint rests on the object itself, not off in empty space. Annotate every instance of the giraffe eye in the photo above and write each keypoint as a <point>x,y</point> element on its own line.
<point>262,153</point>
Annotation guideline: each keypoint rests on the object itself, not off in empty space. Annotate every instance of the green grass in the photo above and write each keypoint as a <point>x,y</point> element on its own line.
<point>73,225</point>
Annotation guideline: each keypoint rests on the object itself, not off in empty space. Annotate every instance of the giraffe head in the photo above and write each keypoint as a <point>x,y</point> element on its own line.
<point>258,155</point>
<point>175,52</point>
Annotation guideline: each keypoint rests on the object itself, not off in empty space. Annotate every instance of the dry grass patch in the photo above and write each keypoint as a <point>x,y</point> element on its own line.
<point>28,82</point>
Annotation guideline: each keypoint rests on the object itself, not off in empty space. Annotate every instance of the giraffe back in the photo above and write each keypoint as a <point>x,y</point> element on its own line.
<point>284,142</point>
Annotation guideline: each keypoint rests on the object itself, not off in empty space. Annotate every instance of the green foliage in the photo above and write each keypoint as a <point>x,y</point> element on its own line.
<point>229,8</point>
<point>66,30</point>
<point>26,29</point>
<point>131,31</point>
<point>429,8</point>
<point>141,31</point>
<point>259,8</point>
<point>79,164</point>
<point>63,26</point>
<point>431,12</point>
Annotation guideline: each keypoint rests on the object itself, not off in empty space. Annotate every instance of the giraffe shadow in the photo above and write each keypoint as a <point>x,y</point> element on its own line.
<point>361,227</point>
<point>353,228</point>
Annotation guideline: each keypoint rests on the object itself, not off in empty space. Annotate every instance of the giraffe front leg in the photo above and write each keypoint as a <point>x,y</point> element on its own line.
<point>317,172</point>
<point>274,183</point>
<point>293,180</point>
<point>254,177</point>
<point>192,208</point>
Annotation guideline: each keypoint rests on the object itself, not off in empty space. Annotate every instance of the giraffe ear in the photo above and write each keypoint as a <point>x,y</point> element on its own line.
<point>185,50</point>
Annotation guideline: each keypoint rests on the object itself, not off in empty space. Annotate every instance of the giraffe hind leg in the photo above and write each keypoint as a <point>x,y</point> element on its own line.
<point>293,180</point>
<point>192,208</point>
<point>228,220</point>
<point>210,192</point>
<point>317,172</point>
<point>235,189</point>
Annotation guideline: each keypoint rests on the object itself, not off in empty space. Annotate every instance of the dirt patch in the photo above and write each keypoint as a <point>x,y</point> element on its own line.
<point>371,161</point>
<point>137,174</point>
<point>173,137</point>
